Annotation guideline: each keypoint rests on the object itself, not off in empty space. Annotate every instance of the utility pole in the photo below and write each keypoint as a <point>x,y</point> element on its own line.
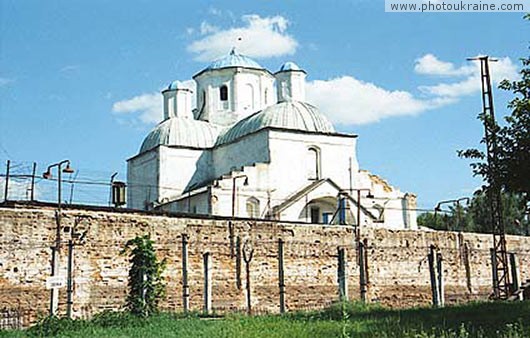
<point>501,274</point>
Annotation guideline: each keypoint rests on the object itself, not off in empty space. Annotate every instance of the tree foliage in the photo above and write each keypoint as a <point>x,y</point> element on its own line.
<point>475,217</point>
<point>146,287</point>
<point>511,172</point>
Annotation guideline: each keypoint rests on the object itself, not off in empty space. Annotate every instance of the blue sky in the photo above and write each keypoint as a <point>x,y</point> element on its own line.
<point>78,78</point>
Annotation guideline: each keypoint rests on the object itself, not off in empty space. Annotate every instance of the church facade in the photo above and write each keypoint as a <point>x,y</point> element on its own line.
<point>254,148</point>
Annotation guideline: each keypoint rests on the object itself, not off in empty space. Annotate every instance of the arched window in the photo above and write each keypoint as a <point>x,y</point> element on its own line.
<point>253,207</point>
<point>223,93</point>
<point>313,163</point>
<point>266,96</point>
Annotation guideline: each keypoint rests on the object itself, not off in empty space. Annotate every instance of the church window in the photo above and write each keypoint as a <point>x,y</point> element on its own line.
<point>313,163</point>
<point>223,93</point>
<point>266,96</point>
<point>253,207</point>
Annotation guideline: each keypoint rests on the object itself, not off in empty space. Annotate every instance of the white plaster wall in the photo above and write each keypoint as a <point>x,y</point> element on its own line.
<point>177,167</point>
<point>240,104</point>
<point>142,179</point>
<point>289,165</point>
<point>247,151</point>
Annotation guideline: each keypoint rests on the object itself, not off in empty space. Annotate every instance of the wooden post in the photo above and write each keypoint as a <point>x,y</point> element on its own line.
<point>185,286</point>
<point>441,285</point>
<point>281,276</point>
<point>434,280</point>
<point>341,274</point>
<point>207,282</point>
<point>362,270</point>
<point>69,281</point>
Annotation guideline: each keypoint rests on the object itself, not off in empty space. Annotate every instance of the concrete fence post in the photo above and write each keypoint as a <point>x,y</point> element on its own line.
<point>514,269</point>
<point>248,253</point>
<point>185,285</point>
<point>207,263</point>
<point>281,276</point>
<point>238,263</point>
<point>434,280</point>
<point>341,274</point>
<point>441,284</point>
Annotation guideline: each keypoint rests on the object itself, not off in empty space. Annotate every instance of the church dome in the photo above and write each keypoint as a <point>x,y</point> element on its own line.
<point>234,60</point>
<point>184,132</point>
<point>293,115</point>
<point>289,66</point>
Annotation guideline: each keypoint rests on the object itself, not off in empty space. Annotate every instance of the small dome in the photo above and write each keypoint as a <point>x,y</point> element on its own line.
<point>234,60</point>
<point>294,115</point>
<point>173,85</point>
<point>289,66</point>
<point>185,132</point>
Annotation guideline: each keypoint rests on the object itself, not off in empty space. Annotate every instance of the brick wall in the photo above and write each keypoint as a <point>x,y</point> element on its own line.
<point>398,271</point>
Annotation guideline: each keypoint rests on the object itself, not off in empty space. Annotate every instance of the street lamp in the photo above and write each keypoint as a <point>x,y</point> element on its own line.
<point>438,208</point>
<point>54,296</point>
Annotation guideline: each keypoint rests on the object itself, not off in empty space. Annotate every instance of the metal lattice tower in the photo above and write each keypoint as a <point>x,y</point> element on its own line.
<point>501,277</point>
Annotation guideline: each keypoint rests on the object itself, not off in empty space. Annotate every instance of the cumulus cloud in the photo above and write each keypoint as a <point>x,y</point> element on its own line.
<point>504,68</point>
<point>146,108</point>
<point>259,37</point>
<point>431,65</point>
<point>348,100</point>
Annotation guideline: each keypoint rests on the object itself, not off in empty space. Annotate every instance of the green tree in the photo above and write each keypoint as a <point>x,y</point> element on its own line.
<point>146,287</point>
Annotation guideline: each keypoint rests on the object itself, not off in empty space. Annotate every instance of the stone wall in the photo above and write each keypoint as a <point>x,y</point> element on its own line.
<point>398,271</point>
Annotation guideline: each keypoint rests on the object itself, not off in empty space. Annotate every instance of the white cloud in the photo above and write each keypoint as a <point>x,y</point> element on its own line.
<point>500,70</point>
<point>348,100</point>
<point>258,37</point>
<point>147,108</point>
<point>431,65</point>
<point>206,28</point>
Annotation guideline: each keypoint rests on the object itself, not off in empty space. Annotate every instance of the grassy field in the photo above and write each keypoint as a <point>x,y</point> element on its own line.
<point>341,320</point>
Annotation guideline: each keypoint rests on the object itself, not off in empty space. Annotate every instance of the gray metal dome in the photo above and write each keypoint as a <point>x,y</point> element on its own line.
<point>184,132</point>
<point>286,115</point>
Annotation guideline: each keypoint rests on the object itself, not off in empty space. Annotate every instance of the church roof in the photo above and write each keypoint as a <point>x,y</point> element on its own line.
<point>184,132</point>
<point>234,59</point>
<point>286,115</point>
<point>289,65</point>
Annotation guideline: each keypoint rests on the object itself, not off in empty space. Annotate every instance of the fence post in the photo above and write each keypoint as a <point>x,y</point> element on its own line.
<point>281,277</point>
<point>69,282</point>
<point>238,263</point>
<point>434,279</point>
<point>515,273</point>
<point>441,284</point>
<point>494,270</point>
<point>54,292</point>
<point>467,266</point>
<point>362,271</point>
<point>6,185</point>
<point>185,286</point>
<point>33,181</point>
<point>341,274</point>
<point>248,252</point>
<point>207,261</point>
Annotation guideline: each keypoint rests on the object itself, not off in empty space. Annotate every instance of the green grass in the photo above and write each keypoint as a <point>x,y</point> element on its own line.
<point>509,320</point>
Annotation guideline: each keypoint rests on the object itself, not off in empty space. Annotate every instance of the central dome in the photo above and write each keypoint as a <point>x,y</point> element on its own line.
<point>183,132</point>
<point>234,60</point>
<point>293,115</point>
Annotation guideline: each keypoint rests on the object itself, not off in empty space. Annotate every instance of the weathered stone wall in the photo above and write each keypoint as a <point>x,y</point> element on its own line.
<point>398,272</point>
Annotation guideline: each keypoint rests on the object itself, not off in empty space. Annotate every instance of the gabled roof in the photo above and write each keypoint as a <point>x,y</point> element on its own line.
<point>296,196</point>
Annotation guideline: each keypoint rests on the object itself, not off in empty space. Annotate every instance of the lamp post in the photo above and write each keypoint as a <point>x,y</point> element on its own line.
<point>457,203</point>
<point>369,195</point>
<point>54,295</point>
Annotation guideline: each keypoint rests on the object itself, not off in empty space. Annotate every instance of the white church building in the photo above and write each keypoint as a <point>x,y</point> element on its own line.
<point>254,148</point>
